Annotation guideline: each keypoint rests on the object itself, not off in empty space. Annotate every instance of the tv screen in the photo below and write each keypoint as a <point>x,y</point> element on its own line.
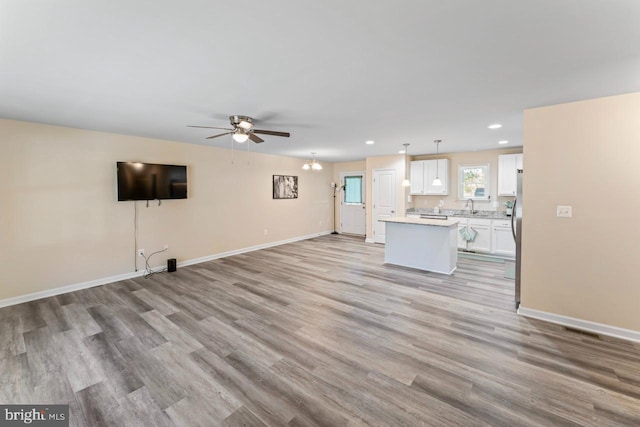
<point>147,181</point>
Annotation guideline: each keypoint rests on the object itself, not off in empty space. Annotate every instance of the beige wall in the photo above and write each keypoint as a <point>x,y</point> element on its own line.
<point>60,223</point>
<point>396,162</point>
<point>451,201</point>
<point>583,154</point>
<point>341,167</point>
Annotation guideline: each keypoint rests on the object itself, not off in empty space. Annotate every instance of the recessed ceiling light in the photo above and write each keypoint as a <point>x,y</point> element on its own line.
<point>370,142</point>
<point>495,126</point>
<point>503,142</point>
<point>401,151</point>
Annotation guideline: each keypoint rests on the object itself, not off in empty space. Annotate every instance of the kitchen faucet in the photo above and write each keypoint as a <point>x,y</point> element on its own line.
<point>467,205</point>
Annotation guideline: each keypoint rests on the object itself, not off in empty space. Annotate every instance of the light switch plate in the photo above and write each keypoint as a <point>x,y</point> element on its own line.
<point>563,211</point>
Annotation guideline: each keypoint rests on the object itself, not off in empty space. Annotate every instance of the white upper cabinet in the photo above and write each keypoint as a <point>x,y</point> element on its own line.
<point>439,168</point>
<point>508,165</point>
<point>423,172</point>
<point>417,177</point>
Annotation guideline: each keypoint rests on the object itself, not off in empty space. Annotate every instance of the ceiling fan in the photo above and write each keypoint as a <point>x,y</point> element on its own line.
<point>243,129</point>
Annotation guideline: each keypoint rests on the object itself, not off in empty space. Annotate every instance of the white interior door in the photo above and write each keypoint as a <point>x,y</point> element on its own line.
<point>352,207</point>
<point>384,200</point>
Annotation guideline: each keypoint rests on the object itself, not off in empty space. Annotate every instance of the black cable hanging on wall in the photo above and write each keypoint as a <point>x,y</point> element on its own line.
<point>135,236</point>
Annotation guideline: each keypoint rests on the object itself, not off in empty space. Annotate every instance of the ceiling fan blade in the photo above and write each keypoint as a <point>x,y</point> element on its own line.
<point>266,116</point>
<point>255,138</point>
<point>272,132</point>
<point>208,127</point>
<point>215,136</point>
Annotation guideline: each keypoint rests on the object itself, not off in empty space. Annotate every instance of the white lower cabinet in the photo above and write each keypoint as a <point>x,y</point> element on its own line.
<point>502,238</point>
<point>494,236</point>
<point>482,242</point>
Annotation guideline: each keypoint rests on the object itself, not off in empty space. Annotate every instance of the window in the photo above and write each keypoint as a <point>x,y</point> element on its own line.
<point>473,182</point>
<point>353,190</point>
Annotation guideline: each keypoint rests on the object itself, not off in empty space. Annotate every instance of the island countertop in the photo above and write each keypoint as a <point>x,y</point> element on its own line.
<point>422,221</point>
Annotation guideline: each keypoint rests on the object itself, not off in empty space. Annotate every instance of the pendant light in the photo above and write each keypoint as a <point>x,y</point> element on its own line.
<point>436,182</point>
<point>406,182</point>
<point>314,165</point>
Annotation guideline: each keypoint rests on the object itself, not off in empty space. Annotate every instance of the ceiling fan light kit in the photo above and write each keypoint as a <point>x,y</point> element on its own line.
<point>239,136</point>
<point>243,122</point>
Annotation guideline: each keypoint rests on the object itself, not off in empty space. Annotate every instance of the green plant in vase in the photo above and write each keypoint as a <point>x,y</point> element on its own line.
<point>509,205</point>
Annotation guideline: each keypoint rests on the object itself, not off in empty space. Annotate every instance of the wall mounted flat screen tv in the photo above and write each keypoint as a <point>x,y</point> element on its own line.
<point>148,181</point>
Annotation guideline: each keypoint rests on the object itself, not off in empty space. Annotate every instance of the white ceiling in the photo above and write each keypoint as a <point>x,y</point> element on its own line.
<point>333,73</point>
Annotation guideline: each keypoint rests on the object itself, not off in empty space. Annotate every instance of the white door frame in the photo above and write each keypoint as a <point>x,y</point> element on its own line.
<point>364,194</point>
<point>374,194</point>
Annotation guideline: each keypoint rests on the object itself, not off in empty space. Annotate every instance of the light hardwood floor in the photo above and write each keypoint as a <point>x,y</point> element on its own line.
<point>318,332</point>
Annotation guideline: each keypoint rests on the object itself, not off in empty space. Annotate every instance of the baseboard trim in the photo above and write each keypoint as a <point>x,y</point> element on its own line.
<point>250,249</point>
<point>69,288</point>
<point>585,325</point>
<point>111,279</point>
<point>368,240</point>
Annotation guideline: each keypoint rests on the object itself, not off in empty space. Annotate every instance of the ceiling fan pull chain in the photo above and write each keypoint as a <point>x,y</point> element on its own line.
<point>232,158</point>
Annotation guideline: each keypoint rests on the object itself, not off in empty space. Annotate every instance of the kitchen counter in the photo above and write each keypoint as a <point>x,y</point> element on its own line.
<point>425,244</point>
<point>464,213</point>
<point>423,221</point>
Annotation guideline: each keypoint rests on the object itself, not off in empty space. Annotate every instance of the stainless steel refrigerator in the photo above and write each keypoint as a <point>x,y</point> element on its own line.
<point>516,228</point>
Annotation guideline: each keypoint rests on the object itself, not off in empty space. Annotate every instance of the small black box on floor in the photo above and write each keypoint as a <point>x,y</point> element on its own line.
<point>171,265</point>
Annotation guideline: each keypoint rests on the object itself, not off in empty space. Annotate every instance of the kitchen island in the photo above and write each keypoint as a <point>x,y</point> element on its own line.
<point>425,244</point>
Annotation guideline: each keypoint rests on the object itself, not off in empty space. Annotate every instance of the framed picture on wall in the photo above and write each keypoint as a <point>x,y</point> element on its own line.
<point>285,187</point>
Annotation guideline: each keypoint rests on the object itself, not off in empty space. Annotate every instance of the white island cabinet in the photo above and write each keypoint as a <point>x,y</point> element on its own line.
<point>425,244</point>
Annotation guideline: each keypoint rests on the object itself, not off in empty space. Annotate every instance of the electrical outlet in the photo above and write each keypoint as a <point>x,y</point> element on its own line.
<point>266,231</point>
<point>165,247</point>
<point>563,211</point>
<point>140,252</point>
